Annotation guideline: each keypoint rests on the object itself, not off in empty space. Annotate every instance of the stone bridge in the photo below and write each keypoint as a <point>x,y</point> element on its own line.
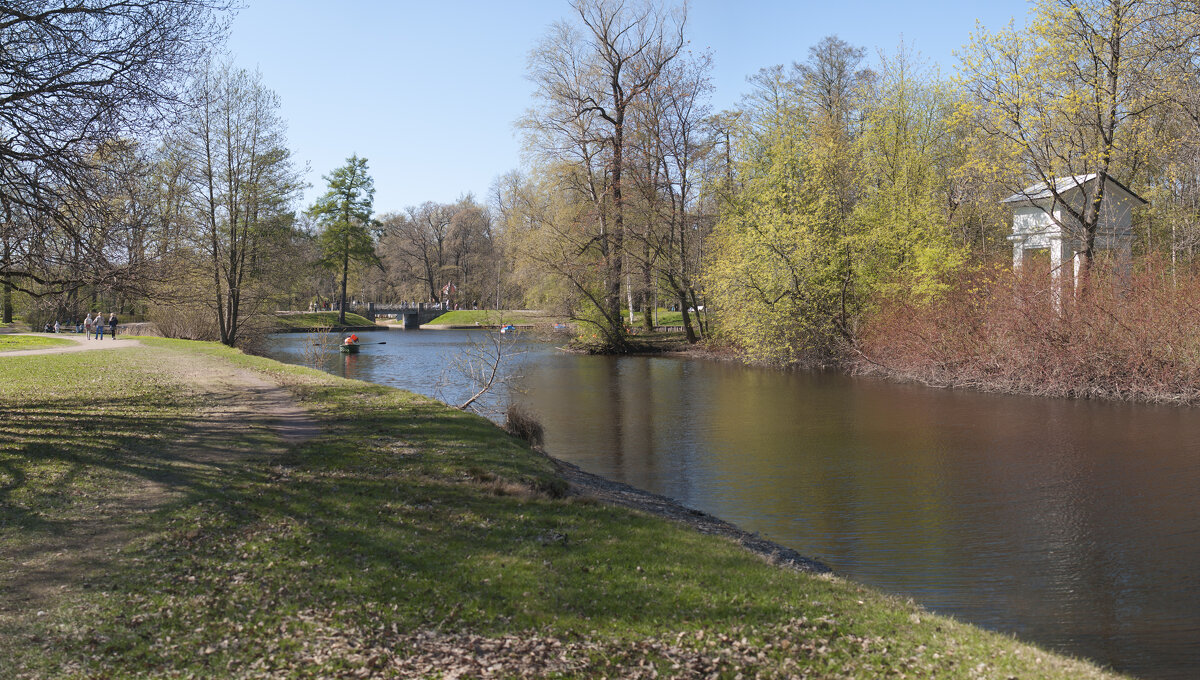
<point>412,314</point>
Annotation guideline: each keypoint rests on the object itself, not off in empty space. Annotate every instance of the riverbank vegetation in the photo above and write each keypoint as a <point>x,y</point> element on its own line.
<point>865,227</point>
<point>994,330</point>
<point>492,317</point>
<point>407,539</point>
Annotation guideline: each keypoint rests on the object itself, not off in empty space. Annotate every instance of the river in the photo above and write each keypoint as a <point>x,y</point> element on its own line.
<point>1072,524</point>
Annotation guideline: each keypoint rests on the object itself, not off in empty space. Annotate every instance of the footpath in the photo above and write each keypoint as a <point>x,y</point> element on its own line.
<point>83,344</point>
<point>236,400</point>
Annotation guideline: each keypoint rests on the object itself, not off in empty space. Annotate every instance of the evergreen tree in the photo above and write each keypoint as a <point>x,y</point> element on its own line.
<point>344,213</point>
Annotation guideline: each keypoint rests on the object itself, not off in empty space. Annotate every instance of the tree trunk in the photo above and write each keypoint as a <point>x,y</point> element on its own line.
<point>345,275</point>
<point>629,295</point>
<point>699,316</point>
<point>616,238</point>
<point>687,319</point>
<point>7,303</point>
<point>647,285</point>
<point>8,306</point>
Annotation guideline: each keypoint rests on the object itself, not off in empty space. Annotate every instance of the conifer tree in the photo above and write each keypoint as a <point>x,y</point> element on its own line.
<point>344,213</point>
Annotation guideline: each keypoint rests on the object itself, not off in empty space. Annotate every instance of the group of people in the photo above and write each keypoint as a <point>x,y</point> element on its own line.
<point>96,326</point>
<point>92,325</point>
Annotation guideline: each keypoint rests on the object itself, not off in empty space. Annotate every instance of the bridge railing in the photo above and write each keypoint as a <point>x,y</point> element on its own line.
<point>389,307</point>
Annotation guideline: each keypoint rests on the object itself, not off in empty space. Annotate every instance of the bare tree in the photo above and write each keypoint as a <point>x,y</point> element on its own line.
<point>588,76</point>
<point>435,244</point>
<point>242,185</point>
<point>472,253</point>
<point>673,140</point>
<point>416,242</point>
<point>72,77</point>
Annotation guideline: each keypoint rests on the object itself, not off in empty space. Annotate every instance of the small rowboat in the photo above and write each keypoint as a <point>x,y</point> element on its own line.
<point>351,348</point>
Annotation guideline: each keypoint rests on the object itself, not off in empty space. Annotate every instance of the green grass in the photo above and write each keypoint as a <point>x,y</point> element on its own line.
<point>319,319</point>
<point>10,343</point>
<point>666,318</point>
<point>490,317</point>
<point>406,529</point>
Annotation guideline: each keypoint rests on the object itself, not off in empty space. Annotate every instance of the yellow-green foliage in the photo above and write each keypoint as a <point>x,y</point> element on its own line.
<point>550,235</point>
<point>774,266</point>
<point>1083,88</point>
<point>904,233</point>
<point>833,211</point>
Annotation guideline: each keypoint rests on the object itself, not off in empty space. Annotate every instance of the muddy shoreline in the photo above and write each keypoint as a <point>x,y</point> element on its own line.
<point>586,484</point>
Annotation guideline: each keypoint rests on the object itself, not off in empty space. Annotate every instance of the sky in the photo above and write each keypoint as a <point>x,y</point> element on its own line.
<point>428,92</point>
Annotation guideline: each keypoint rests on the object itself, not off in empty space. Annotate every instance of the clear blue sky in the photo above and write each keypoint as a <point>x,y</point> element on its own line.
<point>428,91</point>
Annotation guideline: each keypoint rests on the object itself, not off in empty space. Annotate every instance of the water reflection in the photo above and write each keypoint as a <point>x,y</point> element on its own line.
<point>1073,524</point>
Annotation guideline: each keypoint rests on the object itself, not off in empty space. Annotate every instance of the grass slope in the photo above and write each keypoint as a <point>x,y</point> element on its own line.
<point>319,319</point>
<point>409,540</point>
<point>11,343</point>
<point>489,317</point>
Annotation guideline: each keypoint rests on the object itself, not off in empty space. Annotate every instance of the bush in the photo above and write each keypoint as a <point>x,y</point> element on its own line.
<point>521,424</point>
<point>1137,339</point>
<point>185,320</point>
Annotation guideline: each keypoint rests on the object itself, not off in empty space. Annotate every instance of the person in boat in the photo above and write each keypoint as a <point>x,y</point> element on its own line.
<point>351,339</point>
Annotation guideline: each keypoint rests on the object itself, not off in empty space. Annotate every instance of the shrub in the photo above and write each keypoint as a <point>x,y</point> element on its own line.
<point>191,320</point>
<point>1133,339</point>
<point>522,424</point>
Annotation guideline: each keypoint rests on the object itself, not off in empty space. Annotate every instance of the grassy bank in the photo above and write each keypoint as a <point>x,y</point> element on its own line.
<point>309,320</point>
<point>492,317</point>
<point>407,540</point>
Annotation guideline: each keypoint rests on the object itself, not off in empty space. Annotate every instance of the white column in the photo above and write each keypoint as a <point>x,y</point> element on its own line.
<point>1060,253</point>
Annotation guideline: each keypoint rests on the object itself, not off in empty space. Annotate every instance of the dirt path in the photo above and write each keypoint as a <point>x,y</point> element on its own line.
<point>242,412</point>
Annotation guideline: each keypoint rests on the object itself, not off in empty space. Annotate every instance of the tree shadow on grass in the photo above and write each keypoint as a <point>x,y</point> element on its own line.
<point>404,515</point>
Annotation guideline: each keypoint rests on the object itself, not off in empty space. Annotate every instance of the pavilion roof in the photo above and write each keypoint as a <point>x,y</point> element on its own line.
<point>1059,185</point>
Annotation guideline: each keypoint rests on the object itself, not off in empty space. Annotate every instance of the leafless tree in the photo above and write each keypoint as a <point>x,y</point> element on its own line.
<point>435,244</point>
<point>415,243</point>
<point>589,74</point>
<point>242,183</point>
<point>73,77</point>
<point>672,141</point>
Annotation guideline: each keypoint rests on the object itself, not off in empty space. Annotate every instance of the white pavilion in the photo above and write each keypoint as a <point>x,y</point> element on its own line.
<point>1040,222</point>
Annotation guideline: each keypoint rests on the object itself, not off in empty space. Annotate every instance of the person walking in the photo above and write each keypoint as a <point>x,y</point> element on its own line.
<point>87,326</point>
<point>112,325</point>
<point>99,326</point>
